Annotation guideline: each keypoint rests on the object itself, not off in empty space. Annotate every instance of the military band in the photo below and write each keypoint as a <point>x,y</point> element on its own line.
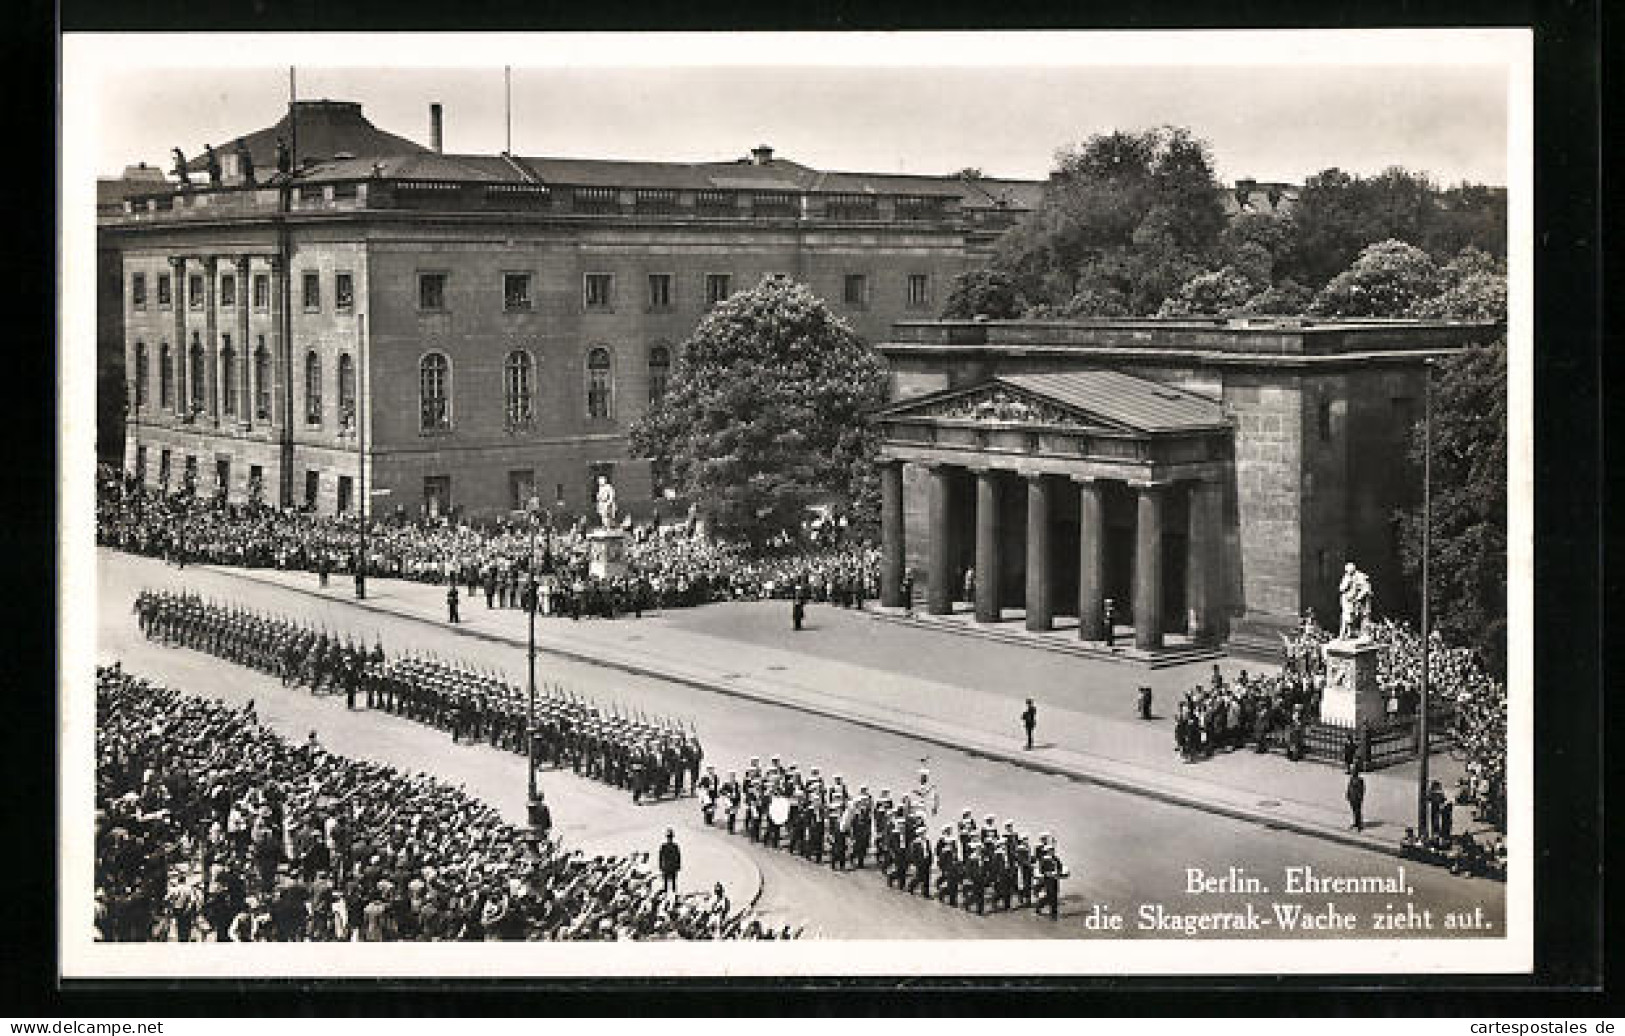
<point>969,865</point>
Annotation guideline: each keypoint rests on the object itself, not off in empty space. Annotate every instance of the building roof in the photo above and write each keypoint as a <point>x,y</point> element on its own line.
<point>1099,398</point>
<point>326,129</point>
<point>1146,406</point>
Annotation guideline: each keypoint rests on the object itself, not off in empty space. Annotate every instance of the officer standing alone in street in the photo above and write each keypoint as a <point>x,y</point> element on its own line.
<point>451,604</point>
<point>671,862</point>
<point>1356,797</point>
<point>1029,720</point>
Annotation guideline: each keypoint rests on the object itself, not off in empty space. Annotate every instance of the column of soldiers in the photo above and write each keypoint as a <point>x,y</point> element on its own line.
<point>973,865</point>
<point>649,756</point>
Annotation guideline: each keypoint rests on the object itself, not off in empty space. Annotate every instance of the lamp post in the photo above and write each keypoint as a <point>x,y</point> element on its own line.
<point>361,455</point>
<point>530,665</point>
<point>1427,534</point>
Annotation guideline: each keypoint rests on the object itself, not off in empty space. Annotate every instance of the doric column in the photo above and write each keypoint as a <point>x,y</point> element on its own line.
<point>211,339</point>
<point>940,589</point>
<point>1148,567</point>
<point>891,534</point>
<point>1040,612</point>
<point>1204,580</point>
<point>178,355</point>
<point>244,347</point>
<point>1091,560</point>
<point>987,546</point>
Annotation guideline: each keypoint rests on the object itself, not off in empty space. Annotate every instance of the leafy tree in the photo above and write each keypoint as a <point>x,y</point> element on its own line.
<point>1210,294</point>
<point>1468,570</point>
<point>1338,215</point>
<point>1389,279</point>
<point>1285,299</point>
<point>1468,216</point>
<point>1126,219</point>
<point>1474,288</point>
<point>983,293</point>
<point>768,412</point>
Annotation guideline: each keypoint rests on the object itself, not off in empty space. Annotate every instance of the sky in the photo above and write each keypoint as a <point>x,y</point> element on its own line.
<point>1004,104</point>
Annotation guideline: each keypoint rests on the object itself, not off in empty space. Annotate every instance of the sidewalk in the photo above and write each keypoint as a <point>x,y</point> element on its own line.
<point>1126,754</point>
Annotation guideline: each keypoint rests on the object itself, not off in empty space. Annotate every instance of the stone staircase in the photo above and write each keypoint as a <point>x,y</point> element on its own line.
<point>1175,653</point>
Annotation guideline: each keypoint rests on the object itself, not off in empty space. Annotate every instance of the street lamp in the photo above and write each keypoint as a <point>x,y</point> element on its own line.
<point>361,455</point>
<point>1427,534</point>
<point>533,506</point>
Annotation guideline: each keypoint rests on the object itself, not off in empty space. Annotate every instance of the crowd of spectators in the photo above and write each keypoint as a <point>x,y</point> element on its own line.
<point>210,827</point>
<point>669,565</point>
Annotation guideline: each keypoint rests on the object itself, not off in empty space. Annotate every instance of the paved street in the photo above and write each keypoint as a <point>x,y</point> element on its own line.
<point>1123,850</point>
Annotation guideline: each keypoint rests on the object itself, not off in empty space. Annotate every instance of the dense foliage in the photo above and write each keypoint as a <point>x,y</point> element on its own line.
<point>1468,570</point>
<point>1133,224</point>
<point>768,413</point>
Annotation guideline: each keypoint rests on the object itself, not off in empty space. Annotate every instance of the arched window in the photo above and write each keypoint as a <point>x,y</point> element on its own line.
<point>659,372</point>
<point>228,377</point>
<point>140,374</point>
<point>313,388</point>
<point>600,383</point>
<point>434,392</point>
<point>195,376</point>
<point>347,414</point>
<point>516,388</point>
<point>262,381</point>
<point>166,376</point>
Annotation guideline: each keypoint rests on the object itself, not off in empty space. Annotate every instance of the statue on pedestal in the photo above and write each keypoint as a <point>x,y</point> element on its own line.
<point>180,166</point>
<point>606,502</point>
<point>212,161</point>
<point>1355,593</point>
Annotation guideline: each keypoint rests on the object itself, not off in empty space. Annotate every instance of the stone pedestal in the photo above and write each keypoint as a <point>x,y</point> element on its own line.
<point>606,554</point>
<point>1352,696</point>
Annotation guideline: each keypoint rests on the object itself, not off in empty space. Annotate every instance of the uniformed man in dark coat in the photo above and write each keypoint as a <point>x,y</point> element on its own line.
<point>1029,720</point>
<point>1356,797</point>
<point>451,604</point>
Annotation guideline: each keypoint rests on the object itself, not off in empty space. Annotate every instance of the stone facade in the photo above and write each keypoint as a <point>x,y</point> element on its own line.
<point>654,258</point>
<point>1314,468</point>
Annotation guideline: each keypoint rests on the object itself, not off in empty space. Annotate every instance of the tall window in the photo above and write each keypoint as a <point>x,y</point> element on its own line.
<point>228,377</point>
<point>855,289</point>
<point>716,287</point>
<point>262,291</point>
<point>163,289</point>
<point>140,374</point>
<point>166,377</point>
<point>347,413</point>
<point>344,292</point>
<point>516,388</point>
<point>516,292</point>
<point>313,388</point>
<point>598,290</point>
<point>194,291</point>
<point>432,292</point>
<point>919,290</point>
<point>434,396</point>
<point>600,383</point>
<point>228,290</point>
<point>138,290</point>
<point>660,291</point>
<point>659,372</point>
<point>262,380</point>
<point>194,375</point>
<point>311,291</point>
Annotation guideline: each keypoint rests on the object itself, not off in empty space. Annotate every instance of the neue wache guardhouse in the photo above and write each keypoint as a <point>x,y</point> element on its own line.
<point>1192,483</point>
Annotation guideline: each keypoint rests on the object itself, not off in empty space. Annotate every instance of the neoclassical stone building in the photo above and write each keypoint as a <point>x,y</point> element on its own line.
<point>1208,478</point>
<point>475,329</point>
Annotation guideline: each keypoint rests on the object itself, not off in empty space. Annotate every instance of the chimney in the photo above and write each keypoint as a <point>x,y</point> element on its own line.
<point>761,154</point>
<point>434,127</point>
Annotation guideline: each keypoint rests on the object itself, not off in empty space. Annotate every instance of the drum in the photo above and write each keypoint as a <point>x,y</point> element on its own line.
<point>778,810</point>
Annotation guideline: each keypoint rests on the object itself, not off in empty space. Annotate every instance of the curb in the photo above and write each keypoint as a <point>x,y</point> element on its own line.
<point>1090,776</point>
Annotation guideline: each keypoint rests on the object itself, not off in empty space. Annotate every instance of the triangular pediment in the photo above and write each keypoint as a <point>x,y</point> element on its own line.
<point>1100,400</point>
<point>997,404</point>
